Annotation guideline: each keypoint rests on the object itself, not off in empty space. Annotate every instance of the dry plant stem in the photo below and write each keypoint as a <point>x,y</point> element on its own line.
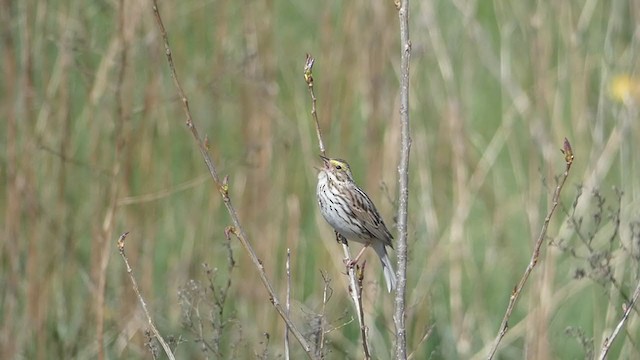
<point>242,237</point>
<point>325,299</point>
<point>223,188</point>
<point>353,283</point>
<point>308,78</point>
<point>424,338</point>
<point>364,330</point>
<point>287,304</point>
<point>608,341</point>
<point>134,283</point>
<point>504,326</point>
<point>403,181</point>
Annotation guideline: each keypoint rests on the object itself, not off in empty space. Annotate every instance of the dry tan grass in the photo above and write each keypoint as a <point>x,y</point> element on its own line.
<point>94,145</point>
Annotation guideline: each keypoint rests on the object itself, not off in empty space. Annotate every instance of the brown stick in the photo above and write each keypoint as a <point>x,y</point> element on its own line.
<point>223,188</point>
<point>504,326</point>
<point>308,78</point>
<point>627,310</point>
<point>364,330</point>
<point>403,181</point>
<point>136,289</point>
<point>353,283</point>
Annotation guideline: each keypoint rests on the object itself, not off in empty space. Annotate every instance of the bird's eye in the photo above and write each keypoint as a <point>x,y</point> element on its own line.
<point>339,167</point>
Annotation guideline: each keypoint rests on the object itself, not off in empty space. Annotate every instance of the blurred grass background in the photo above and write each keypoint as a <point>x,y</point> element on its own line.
<point>94,144</point>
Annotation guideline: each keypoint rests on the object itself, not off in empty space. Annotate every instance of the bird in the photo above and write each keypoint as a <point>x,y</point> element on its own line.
<point>352,214</point>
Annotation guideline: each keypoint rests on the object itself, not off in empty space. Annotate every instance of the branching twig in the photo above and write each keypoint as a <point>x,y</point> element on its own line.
<point>627,310</point>
<point>504,326</point>
<point>223,188</point>
<point>403,180</point>
<point>134,283</point>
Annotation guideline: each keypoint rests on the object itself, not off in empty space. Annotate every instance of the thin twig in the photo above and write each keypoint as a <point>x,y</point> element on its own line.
<point>627,310</point>
<point>223,188</point>
<point>164,344</point>
<point>403,180</point>
<point>364,330</point>
<point>424,338</point>
<point>326,295</point>
<point>353,283</point>
<point>161,194</point>
<point>504,326</point>
<point>287,303</point>
<point>308,78</point>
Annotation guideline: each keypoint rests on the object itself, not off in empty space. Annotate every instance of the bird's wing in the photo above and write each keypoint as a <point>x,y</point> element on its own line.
<point>366,210</point>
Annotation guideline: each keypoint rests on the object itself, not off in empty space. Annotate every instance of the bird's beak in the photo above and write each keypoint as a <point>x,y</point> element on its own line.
<point>325,162</point>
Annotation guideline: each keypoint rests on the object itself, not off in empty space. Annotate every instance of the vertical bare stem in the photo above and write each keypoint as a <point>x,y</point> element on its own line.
<point>364,330</point>
<point>403,180</point>
<point>308,78</point>
<point>325,299</point>
<point>287,304</point>
<point>353,283</point>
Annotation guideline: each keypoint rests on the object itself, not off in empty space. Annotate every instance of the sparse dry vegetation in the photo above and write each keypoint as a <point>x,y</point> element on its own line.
<point>94,145</point>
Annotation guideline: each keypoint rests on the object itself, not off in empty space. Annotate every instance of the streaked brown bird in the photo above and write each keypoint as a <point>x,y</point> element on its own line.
<point>352,214</point>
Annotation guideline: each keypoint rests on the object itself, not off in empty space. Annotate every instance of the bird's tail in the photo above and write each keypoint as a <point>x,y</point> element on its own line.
<point>387,268</point>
